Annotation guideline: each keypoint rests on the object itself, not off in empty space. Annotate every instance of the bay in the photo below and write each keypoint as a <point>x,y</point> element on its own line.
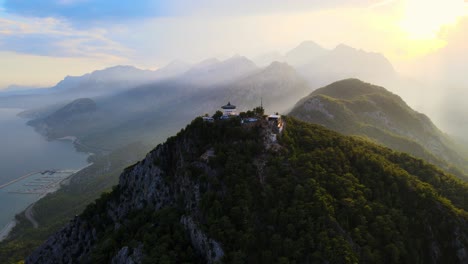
<point>23,152</point>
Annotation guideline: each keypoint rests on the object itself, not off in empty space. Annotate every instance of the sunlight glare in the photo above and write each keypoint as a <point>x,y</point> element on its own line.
<point>424,18</point>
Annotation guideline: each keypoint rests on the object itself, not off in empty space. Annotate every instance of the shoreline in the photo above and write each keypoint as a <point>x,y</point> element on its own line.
<point>6,230</point>
<point>9,221</point>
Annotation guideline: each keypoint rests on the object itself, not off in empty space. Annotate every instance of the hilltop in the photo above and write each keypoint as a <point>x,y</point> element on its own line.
<point>354,107</point>
<point>226,192</point>
<point>67,120</point>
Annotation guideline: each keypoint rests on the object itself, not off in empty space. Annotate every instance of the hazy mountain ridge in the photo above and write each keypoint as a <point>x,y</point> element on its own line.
<point>98,83</point>
<point>305,53</point>
<point>248,200</point>
<point>167,105</point>
<point>278,85</point>
<point>67,120</point>
<point>346,62</point>
<point>214,72</point>
<point>317,65</point>
<point>320,66</point>
<point>354,107</point>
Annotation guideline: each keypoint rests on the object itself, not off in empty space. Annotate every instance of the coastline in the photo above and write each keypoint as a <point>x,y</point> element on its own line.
<point>5,232</point>
<point>7,229</point>
<point>23,186</point>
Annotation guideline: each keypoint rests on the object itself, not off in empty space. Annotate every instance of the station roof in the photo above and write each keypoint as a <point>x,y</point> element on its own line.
<point>228,106</point>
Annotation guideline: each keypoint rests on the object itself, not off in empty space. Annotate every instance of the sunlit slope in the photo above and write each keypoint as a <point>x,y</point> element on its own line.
<point>354,107</point>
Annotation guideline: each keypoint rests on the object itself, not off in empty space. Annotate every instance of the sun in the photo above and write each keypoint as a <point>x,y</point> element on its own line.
<point>423,19</point>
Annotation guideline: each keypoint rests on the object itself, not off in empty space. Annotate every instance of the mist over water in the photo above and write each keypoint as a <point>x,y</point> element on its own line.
<point>24,151</point>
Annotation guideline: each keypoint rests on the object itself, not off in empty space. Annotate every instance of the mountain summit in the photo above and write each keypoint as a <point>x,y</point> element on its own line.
<point>354,107</point>
<point>305,53</point>
<point>214,72</point>
<point>226,192</point>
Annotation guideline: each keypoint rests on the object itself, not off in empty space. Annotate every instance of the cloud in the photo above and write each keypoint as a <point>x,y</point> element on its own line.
<point>246,7</point>
<point>53,37</point>
<point>85,10</point>
<point>452,59</point>
<point>88,11</point>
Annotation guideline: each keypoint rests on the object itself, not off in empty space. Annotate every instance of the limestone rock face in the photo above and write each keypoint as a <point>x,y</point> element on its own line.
<point>129,256</point>
<point>156,182</point>
<point>73,241</point>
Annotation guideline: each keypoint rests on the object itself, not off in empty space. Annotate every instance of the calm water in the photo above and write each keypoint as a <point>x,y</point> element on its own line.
<point>23,151</point>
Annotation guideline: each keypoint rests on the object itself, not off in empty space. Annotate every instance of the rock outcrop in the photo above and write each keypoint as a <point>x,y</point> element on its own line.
<point>158,181</point>
<point>73,241</point>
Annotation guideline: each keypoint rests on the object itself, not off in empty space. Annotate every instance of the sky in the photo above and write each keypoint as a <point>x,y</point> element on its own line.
<point>41,41</point>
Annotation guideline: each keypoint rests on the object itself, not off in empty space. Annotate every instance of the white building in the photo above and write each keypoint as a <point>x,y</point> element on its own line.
<point>229,109</point>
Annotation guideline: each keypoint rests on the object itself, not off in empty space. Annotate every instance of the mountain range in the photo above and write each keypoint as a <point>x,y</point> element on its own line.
<point>320,66</point>
<point>317,65</point>
<point>167,105</point>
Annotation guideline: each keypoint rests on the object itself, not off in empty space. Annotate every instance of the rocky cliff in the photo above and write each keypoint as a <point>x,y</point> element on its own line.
<point>159,181</point>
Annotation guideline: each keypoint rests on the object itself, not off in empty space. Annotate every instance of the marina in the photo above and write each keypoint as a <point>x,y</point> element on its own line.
<point>41,182</point>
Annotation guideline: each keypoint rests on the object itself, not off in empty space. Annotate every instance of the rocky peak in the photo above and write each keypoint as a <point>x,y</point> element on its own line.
<point>159,181</point>
<point>227,191</point>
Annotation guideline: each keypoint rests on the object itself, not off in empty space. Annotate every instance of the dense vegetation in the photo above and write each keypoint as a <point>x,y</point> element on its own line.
<point>160,229</point>
<point>317,197</point>
<point>353,107</point>
<point>55,210</point>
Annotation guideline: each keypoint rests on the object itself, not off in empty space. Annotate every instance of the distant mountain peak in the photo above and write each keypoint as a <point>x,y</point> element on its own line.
<point>238,59</point>
<point>176,64</point>
<point>213,71</point>
<point>172,69</point>
<point>279,66</point>
<point>344,47</point>
<point>309,44</point>
<point>119,67</point>
<point>237,55</point>
<point>344,62</point>
<point>266,59</point>
<point>207,62</point>
<point>305,53</point>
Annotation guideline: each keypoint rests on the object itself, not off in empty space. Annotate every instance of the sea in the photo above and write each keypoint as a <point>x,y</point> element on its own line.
<point>24,152</point>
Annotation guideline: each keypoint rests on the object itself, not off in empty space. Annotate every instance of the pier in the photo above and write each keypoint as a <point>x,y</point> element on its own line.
<point>19,179</point>
<point>48,178</point>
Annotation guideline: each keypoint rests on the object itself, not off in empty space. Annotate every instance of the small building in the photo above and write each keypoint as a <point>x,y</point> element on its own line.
<point>229,109</point>
<point>249,120</point>
<point>276,121</point>
<point>208,119</point>
<point>274,118</point>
